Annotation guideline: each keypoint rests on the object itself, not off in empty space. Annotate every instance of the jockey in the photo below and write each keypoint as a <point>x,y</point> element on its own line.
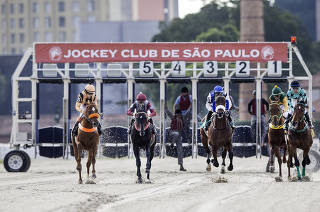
<point>87,96</point>
<point>296,94</point>
<point>211,106</point>
<point>142,105</point>
<point>279,96</point>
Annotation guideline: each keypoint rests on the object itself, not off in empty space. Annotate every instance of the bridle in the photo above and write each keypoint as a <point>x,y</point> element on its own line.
<point>278,117</point>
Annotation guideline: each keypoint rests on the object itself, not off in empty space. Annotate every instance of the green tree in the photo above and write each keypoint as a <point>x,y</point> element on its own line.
<point>228,33</point>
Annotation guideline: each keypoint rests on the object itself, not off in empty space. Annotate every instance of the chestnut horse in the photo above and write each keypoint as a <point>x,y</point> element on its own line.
<point>276,137</point>
<point>141,138</point>
<point>219,135</point>
<point>87,139</point>
<point>299,137</point>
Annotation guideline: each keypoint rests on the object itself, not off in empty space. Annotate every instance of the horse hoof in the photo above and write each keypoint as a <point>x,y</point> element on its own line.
<point>90,182</point>
<point>306,179</point>
<point>230,167</point>
<point>80,182</point>
<point>278,179</point>
<point>139,180</point>
<point>284,161</point>
<point>208,168</point>
<point>293,179</point>
<point>272,169</point>
<point>223,171</point>
<point>94,176</point>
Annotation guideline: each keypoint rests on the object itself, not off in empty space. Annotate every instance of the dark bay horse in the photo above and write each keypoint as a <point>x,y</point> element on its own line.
<point>276,137</point>
<point>87,139</point>
<point>219,135</point>
<point>141,138</point>
<point>299,136</point>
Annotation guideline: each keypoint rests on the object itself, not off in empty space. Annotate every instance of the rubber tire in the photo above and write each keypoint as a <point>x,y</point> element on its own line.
<point>28,161</point>
<point>25,159</point>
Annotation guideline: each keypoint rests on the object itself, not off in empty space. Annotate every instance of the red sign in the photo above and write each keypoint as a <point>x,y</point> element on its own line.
<point>159,52</point>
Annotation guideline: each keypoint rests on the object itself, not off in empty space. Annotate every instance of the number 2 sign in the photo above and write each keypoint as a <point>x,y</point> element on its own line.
<point>242,68</point>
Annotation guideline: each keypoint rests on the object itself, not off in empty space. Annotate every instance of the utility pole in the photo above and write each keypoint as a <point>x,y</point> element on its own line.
<point>251,29</point>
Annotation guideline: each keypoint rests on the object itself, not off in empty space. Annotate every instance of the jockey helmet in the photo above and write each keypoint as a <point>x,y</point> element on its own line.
<point>276,90</point>
<point>295,84</point>
<point>218,90</point>
<point>141,97</point>
<point>89,89</point>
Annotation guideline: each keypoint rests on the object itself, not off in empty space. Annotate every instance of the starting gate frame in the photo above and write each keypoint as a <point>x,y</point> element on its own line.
<point>226,72</point>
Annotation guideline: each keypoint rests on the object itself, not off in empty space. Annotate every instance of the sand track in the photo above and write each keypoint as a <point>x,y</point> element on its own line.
<point>51,185</point>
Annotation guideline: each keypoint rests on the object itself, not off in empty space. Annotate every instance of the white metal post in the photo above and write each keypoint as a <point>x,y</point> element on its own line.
<point>130,82</point>
<point>258,111</point>
<point>162,111</point>
<point>34,124</point>
<point>66,121</point>
<point>98,80</point>
<point>194,81</point>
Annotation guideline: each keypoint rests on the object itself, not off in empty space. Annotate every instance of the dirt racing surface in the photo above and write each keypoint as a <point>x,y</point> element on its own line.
<point>51,185</point>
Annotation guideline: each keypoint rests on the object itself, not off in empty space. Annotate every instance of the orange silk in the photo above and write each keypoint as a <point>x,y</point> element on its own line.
<point>87,129</point>
<point>94,115</point>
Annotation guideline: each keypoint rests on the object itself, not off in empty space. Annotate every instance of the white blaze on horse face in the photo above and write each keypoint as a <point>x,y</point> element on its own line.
<point>93,109</point>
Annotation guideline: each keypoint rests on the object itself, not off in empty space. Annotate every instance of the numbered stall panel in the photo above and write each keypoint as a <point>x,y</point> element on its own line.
<point>178,69</point>
<point>210,69</point>
<point>274,68</point>
<point>242,68</point>
<point>146,69</point>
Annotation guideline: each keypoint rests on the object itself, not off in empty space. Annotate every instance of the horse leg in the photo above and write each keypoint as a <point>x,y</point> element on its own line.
<point>271,159</point>
<point>277,153</point>
<point>224,154</point>
<point>138,162</point>
<point>94,176</point>
<point>289,163</point>
<point>204,140</point>
<point>305,161</point>
<point>148,165</point>
<point>296,162</point>
<point>284,160</point>
<point>79,167</point>
<point>215,156</point>
<point>230,167</point>
<point>88,165</point>
<point>208,162</point>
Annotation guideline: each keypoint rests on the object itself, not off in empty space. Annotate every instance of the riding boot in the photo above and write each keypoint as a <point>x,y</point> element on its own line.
<point>208,120</point>
<point>99,129</point>
<point>286,123</point>
<point>153,131</point>
<point>75,129</point>
<point>230,121</point>
<point>130,127</point>
<point>308,120</point>
<point>182,168</point>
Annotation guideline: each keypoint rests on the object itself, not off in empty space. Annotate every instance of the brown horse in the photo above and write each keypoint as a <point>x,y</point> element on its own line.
<point>276,137</point>
<point>219,135</point>
<point>87,139</point>
<point>299,137</point>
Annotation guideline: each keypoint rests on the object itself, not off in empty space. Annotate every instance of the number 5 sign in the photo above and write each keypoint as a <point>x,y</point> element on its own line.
<point>242,68</point>
<point>146,69</point>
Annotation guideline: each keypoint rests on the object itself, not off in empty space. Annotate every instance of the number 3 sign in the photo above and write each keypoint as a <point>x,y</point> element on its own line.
<point>242,68</point>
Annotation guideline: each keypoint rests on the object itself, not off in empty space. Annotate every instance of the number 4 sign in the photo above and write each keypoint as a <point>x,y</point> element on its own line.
<point>178,68</point>
<point>242,68</point>
<point>274,68</point>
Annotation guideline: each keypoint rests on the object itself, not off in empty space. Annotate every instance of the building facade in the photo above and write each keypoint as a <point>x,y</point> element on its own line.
<point>26,21</point>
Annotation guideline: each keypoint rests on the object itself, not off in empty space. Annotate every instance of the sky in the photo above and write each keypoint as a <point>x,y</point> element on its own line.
<point>190,6</point>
